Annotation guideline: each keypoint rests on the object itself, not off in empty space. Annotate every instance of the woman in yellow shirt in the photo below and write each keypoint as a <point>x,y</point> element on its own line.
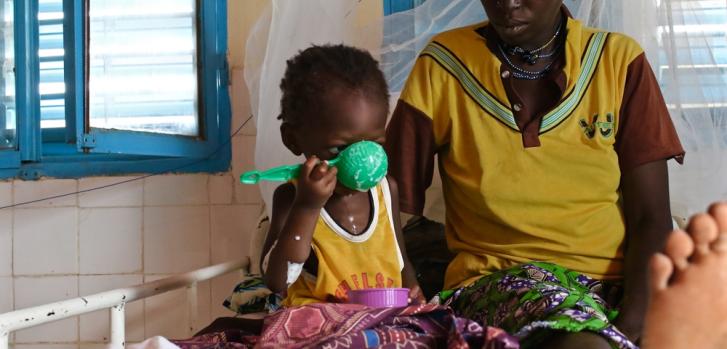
<point>552,140</point>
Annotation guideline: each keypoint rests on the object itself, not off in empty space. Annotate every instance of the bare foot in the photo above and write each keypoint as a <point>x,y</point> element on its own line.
<point>689,286</point>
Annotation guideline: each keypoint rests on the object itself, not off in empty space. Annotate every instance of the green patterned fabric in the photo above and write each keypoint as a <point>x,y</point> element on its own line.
<point>252,296</point>
<point>532,300</point>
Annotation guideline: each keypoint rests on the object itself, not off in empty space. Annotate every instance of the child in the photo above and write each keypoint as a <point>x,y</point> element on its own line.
<point>324,238</point>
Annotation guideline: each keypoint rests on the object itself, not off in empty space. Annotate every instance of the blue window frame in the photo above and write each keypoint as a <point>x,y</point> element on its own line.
<point>394,6</point>
<point>75,101</point>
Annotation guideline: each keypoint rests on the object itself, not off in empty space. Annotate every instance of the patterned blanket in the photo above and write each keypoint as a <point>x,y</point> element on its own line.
<point>355,326</point>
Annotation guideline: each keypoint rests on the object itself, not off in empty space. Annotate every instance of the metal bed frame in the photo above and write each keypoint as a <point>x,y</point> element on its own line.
<point>115,300</point>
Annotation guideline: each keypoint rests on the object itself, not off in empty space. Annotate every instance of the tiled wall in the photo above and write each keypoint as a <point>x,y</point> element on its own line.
<point>124,235</point>
<point>132,233</point>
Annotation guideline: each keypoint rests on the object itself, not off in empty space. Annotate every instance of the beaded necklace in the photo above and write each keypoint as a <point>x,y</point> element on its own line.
<point>520,73</point>
<point>530,56</point>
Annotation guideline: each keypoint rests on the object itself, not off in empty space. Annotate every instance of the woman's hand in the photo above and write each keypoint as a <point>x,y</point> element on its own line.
<point>316,183</point>
<point>416,296</point>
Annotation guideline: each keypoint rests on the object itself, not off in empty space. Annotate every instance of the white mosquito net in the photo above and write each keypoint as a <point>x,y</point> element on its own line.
<point>685,42</point>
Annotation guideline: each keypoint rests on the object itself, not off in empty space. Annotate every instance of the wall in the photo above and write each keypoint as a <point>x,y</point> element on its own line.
<point>135,232</point>
<point>131,233</point>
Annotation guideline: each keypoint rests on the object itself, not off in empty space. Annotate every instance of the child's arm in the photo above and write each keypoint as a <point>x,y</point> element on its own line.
<point>408,274</point>
<point>295,212</point>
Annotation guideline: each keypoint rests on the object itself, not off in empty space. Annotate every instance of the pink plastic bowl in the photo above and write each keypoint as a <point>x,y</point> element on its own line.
<point>380,297</point>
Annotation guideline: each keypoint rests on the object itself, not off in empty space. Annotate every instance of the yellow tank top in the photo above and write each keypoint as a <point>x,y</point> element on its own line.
<point>351,262</point>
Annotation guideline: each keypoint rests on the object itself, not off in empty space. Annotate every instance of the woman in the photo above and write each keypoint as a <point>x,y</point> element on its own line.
<point>552,140</point>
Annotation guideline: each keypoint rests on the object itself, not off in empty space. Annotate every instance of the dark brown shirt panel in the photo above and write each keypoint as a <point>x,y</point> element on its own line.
<point>645,131</point>
<point>411,149</point>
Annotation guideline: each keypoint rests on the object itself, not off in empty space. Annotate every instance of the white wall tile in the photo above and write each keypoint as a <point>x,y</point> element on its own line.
<point>240,98</point>
<point>176,190</point>
<point>26,191</point>
<point>168,314</point>
<point>122,195</point>
<point>36,291</point>
<point>232,228</point>
<point>257,240</point>
<point>6,294</point>
<point>108,248</point>
<point>100,346</point>
<point>176,239</point>
<point>221,188</point>
<point>6,242</point>
<point>45,346</point>
<point>243,159</point>
<point>6,193</point>
<point>45,241</point>
<point>95,326</point>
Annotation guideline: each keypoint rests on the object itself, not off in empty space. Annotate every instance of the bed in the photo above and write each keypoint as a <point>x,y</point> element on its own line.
<point>116,300</point>
<point>422,236</point>
<point>348,323</point>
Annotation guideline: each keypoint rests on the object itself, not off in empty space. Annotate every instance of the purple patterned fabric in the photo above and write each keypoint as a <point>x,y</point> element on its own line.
<point>228,339</point>
<point>532,300</point>
<point>355,326</point>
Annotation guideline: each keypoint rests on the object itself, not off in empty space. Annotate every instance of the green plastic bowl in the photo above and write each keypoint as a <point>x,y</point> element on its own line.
<point>361,165</point>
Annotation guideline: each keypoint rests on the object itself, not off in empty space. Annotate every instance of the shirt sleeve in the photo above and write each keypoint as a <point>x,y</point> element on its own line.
<point>411,148</point>
<point>645,132</point>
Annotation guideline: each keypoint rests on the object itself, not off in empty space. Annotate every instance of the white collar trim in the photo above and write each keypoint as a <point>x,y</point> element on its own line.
<point>373,196</point>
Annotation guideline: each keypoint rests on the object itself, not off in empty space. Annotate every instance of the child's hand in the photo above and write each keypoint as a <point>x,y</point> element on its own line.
<point>316,183</point>
<point>416,296</point>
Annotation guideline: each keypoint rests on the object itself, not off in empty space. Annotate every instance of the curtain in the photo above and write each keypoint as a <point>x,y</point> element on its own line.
<point>685,42</point>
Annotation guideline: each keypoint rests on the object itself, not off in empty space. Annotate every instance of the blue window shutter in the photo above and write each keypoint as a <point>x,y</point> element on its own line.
<point>51,49</point>
<point>27,79</point>
<point>73,65</point>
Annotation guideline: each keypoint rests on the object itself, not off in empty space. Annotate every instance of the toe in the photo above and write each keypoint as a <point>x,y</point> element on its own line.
<point>660,270</point>
<point>703,230</point>
<point>718,212</point>
<point>679,247</point>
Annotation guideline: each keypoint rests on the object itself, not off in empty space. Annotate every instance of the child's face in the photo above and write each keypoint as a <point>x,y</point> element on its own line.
<point>345,117</point>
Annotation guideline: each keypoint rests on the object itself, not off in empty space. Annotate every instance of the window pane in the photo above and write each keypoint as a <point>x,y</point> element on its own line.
<point>698,33</point>
<point>50,53</point>
<point>7,77</point>
<point>143,66</point>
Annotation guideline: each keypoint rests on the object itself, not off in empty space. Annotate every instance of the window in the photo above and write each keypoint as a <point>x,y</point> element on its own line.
<point>108,87</point>
<point>696,51</point>
<point>403,29</point>
<point>8,130</point>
